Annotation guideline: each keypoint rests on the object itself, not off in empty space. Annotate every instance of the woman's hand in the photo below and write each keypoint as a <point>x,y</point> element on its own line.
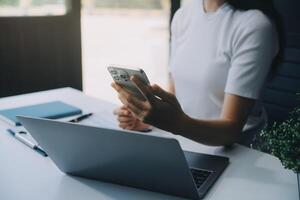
<point>128,121</point>
<point>161,109</point>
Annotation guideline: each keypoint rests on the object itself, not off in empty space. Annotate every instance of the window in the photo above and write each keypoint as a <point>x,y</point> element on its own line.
<point>126,32</point>
<point>32,7</point>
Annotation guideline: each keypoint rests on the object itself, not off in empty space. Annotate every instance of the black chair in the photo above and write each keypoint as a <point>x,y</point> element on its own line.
<point>280,96</point>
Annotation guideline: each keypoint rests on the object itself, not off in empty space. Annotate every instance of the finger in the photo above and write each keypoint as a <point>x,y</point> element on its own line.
<point>122,112</point>
<point>130,128</point>
<point>116,111</point>
<point>144,89</point>
<point>125,112</point>
<point>123,126</point>
<point>158,91</point>
<point>138,103</point>
<point>130,98</point>
<point>132,107</point>
<point>127,126</point>
<point>116,86</point>
<point>130,101</point>
<point>136,111</point>
<point>125,107</point>
<point>125,119</point>
<point>120,90</point>
<point>123,100</point>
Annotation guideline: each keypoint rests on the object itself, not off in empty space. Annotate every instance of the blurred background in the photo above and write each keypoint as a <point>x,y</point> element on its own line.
<point>125,32</point>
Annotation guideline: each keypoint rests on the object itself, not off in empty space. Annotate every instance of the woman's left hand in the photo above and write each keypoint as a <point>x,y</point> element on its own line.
<point>161,109</point>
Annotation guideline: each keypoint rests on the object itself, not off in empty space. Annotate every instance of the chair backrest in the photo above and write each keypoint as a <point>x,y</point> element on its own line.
<point>280,96</point>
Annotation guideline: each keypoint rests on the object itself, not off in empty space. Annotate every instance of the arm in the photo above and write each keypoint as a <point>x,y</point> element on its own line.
<point>253,51</point>
<point>223,131</point>
<point>246,78</point>
<point>165,113</point>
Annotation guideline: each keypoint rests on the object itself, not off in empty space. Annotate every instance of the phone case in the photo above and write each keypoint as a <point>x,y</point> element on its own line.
<point>122,76</point>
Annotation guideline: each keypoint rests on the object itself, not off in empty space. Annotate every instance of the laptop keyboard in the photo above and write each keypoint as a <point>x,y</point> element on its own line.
<point>200,176</point>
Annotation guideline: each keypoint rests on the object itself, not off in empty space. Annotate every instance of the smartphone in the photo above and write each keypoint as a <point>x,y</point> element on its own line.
<point>122,76</point>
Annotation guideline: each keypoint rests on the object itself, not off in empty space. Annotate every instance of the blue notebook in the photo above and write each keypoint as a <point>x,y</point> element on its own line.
<point>51,110</point>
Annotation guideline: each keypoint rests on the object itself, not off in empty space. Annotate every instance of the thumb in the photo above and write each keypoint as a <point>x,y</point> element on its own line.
<point>158,91</point>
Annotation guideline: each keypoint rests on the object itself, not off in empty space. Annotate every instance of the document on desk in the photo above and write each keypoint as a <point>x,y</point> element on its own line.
<point>103,119</point>
<point>106,119</point>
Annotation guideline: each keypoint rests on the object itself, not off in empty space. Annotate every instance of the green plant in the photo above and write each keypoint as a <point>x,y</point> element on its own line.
<point>283,141</point>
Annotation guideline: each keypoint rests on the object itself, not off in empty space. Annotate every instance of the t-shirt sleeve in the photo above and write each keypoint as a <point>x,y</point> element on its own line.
<point>253,51</point>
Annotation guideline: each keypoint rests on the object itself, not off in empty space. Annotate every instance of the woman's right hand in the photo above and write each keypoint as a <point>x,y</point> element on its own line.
<point>128,121</point>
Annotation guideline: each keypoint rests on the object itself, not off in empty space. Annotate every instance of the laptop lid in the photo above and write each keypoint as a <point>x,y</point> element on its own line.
<point>122,157</point>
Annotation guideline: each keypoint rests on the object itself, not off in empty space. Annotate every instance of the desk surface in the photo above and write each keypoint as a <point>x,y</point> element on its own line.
<point>24,174</point>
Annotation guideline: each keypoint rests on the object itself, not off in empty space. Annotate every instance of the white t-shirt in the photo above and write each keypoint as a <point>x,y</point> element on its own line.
<point>227,51</point>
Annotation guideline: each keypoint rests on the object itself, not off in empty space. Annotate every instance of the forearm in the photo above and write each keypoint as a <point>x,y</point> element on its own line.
<point>220,132</point>
<point>163,110</point>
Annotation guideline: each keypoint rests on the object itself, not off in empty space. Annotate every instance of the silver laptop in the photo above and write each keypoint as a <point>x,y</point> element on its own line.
<point>134,159</point>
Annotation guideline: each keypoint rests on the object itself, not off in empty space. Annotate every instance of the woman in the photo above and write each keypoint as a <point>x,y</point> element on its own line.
<point>220,59</point>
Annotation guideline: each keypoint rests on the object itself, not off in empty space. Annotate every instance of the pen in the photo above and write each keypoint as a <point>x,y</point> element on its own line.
<point>80,118</point>
<point>77,119</point>
<point>27,142</point>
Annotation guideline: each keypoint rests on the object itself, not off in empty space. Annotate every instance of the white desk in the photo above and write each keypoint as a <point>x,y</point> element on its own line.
<point>25,174</point>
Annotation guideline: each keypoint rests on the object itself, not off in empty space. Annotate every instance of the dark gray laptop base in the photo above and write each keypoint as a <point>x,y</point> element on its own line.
<point>138,160</point>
